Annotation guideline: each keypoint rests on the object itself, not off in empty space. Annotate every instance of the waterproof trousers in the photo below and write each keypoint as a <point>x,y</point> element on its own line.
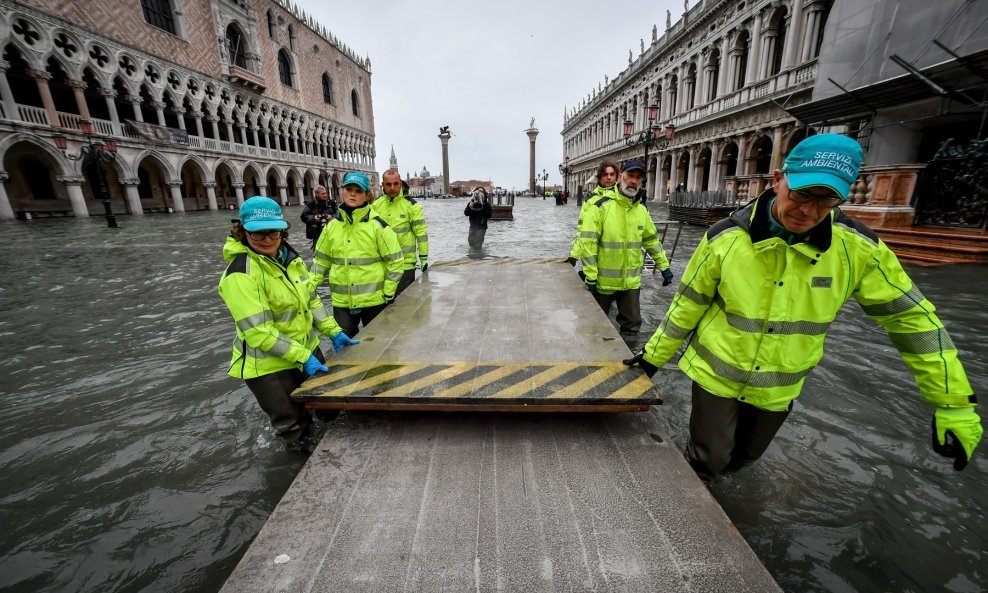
<point>406,279</point>
<point>290,419</point>
<point>629,313</point>
<point>350,322</point>
<point>476,237</point>
<point>727,434</point>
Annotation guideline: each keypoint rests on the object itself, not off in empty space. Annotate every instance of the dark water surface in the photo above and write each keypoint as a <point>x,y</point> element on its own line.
<point>129,461</point>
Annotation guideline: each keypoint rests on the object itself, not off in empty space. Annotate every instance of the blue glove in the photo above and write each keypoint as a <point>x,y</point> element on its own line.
<point>356,311</point>
<point>341,340</point>
<point>388,300</point>
<point>592,286</point>
<point>666,277</point>
<point>313,366</point>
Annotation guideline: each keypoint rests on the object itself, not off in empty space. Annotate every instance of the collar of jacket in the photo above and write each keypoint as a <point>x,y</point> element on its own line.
<point>401,194</point>
<point>753,217</point>
<point>361,214</point>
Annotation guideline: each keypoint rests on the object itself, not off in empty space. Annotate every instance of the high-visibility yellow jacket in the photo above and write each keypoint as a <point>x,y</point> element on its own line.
<point>757,310</point>
<point>360,254</point>
<point>275,310</point>
<point>405,217</point>
<point>612,235</point>
<point>598,194</point>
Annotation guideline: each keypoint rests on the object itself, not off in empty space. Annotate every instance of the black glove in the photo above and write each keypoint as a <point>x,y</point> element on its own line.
<point>666,277</point>
<point>591,286</point>
<point>388,300</point>
<point>637,360</point>
<point>571,261</point>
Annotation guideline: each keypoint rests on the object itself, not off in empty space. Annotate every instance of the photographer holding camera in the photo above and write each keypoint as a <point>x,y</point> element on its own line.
<point>317,213</point>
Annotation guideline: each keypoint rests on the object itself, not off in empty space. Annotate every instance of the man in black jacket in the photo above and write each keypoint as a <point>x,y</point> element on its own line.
<point>317,213</point>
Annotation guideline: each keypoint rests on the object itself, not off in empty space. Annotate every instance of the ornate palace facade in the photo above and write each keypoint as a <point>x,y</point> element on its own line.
<point>206,102</point>
<point>720,76</point>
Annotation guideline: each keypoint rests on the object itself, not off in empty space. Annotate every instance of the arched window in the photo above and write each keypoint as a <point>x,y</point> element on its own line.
<point>159,14</point>
<point>235,44</point>
<point>270,24</point>
<point>355,102</point>
<point>327,88</point>
<point>284,68</point>
<point>291,38</point>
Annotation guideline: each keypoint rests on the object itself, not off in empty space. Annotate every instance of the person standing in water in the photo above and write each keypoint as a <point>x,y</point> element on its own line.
<point>479,211</point>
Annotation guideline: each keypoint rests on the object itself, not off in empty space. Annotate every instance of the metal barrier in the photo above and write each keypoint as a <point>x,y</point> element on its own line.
<point>649,262</point>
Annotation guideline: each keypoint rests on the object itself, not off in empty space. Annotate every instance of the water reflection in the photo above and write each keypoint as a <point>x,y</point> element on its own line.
<point>131,462</point>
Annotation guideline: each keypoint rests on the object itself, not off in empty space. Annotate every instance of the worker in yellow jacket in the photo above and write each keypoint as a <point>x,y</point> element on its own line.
<point>266,288</point>
<point>404,215</point>
<point>759,295</point>
<point>612,234</point>
<point>359,252</point>
<point>607,175</point>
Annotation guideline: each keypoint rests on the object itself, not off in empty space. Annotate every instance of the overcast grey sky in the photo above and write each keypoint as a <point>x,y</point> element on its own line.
<point>485,69</point>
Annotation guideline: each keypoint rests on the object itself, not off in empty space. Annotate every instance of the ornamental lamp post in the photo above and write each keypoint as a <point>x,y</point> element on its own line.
<point>654,136</point>
<point>564,169</point>
<point>102,150</point>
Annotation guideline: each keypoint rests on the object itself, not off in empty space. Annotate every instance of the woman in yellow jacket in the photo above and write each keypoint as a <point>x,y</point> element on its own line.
<point>361,255</point>
<point>276,312</point>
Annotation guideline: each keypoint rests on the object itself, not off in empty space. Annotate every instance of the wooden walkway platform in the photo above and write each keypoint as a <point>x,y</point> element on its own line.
<point>490,501</point>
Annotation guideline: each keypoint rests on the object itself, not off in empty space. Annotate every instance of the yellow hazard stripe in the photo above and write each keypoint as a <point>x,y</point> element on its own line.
<point>481,381</point>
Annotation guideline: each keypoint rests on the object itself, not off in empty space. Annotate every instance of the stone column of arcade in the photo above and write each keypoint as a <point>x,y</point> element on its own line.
<point>238,187</point>
<point>177,202</point>
<point>78,87</point>
<point>41,78</point>
<point>132,196</point>
<point>74,186</point>
<point>211,194</point>
<point>8,99</point>
<point>283,194</point>
<point>6,211</point>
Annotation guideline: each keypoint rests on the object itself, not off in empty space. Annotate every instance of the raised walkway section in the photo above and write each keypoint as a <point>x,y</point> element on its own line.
<point>566,497</point>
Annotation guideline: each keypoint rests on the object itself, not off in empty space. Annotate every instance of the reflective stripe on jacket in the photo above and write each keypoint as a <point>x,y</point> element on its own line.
<point>275,311</point>
<point>612,235</point>
<point>361,256</point>
<point>405,217</point>
<point>759,309</point>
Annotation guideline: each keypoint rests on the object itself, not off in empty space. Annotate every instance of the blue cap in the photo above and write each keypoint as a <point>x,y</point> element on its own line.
<point>828,160</point>
<point>261,214</point>
<point>357,178</point>
<point>632,165</point>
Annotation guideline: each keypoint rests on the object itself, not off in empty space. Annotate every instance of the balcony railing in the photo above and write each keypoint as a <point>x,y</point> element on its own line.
<point>102,127</point>
<point>33,115</point>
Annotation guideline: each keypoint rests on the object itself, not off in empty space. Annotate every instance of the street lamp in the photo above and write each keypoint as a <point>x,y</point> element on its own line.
<point>545,179</point>
<point>564,169</point>
<point>654,136</point>
<point>99,152</point>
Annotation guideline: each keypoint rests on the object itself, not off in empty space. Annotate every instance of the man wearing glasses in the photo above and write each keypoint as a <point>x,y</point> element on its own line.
<point>759,294</point>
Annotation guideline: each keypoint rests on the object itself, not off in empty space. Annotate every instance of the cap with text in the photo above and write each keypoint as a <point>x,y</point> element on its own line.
<point>357,178</point>
<point>261,214</point>
<point>824,160</point>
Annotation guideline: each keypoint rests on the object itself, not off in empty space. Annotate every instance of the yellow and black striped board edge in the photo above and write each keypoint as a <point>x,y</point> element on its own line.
<point>481,384</point>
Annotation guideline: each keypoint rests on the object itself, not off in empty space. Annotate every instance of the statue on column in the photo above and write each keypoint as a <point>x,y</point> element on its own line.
<point>686,6</point>
<point>629,57</point>
<point>668,20</point>
<point>655,33</point>
<point>605,80</point>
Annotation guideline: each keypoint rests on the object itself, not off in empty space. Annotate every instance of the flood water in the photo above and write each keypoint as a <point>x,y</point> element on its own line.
<point>129,461</point>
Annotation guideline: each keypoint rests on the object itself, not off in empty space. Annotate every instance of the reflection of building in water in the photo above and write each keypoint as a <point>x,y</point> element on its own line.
<point>209,101</point>
<point>425,183</point>
<point>743,82</point>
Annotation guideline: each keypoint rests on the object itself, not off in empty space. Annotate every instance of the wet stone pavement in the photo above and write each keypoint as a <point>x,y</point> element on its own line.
<point>131,462</point>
